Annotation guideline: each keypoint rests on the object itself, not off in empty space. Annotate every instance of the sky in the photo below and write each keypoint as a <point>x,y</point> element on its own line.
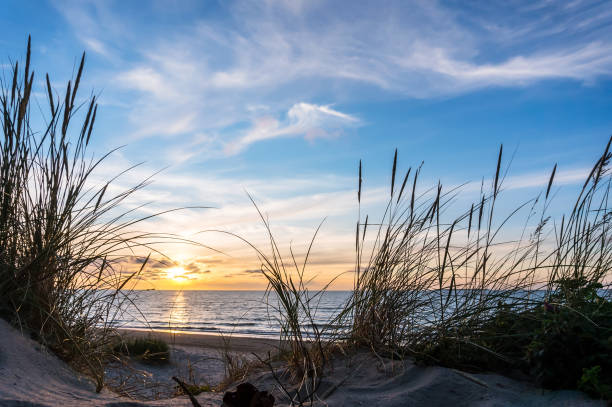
<point>281,99</point>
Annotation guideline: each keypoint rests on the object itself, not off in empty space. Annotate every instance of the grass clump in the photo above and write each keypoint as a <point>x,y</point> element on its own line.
<point>62,236</point>
<point>450,287</point>
<point>444,287</point>
<point>305,343</point>
<point>150,350</point>
<point>575,339</point>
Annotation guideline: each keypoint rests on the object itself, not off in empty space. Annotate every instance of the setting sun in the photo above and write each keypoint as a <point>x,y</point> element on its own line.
<point>176,274</point>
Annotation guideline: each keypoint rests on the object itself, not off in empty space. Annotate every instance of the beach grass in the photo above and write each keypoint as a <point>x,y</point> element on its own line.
<point>63,237</point>
<point>293,307</point>
<point>449,290</point>
<point>449,287</point>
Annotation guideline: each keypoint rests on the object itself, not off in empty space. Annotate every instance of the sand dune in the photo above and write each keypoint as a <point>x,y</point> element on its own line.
<point>367,381</point>
<point>30,376</point>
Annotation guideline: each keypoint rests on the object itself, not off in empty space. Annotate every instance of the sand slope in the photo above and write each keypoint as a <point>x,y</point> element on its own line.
<point>436,386</point>
<point>364,380</point>
<point>30,376</point>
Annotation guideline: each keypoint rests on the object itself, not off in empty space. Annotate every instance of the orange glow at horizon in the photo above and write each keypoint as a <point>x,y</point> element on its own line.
<point>177,275</point>
<point>188,269</point>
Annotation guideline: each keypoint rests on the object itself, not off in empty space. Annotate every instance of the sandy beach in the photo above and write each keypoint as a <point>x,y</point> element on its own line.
<point>195,358</point>
<point>31,376</point>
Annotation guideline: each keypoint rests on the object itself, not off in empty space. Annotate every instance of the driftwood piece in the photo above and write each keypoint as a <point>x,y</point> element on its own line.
<point>194,401</point>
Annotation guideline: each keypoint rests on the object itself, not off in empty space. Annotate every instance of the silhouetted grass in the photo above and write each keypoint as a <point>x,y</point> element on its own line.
<point>456,291</point>
<point>61,237</point>
<point>451,287</point>
<point>305,345</point>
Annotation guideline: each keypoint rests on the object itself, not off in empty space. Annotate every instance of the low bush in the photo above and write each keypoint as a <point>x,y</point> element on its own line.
<point>572,347</point>
<point>151,350</point>
<point>595,384</point>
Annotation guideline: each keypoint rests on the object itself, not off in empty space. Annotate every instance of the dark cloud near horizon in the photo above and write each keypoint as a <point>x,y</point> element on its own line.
<point>155,263</point>
<point>192,267</point>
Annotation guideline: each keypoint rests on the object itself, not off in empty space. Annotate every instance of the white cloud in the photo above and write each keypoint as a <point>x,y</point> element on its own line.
<point>294,205</point>
<point>581,64</point>
<point>207,74</point>
<point>97,46</point>
<point>303,119</point>
<point>150,81</point>
<point>214,86</point>
<point>538,179</point>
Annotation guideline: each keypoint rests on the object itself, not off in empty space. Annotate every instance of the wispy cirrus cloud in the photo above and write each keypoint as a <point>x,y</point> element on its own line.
<point>303,119</point>
<point>293,218</point>
<point>583,63</point>
<point>204,75</point>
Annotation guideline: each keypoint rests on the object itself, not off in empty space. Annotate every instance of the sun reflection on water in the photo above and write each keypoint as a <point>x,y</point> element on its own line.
<point>178,316</point>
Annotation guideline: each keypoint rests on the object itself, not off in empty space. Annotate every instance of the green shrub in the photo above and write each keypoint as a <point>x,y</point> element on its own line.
<point>591,382</point>
<point>560,346</point>
<point>146,349</point>
<point>194,389</point>
<point>574,343</point>
<point>498,343</point>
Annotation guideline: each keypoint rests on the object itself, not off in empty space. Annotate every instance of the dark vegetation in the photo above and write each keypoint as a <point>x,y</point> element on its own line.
<point>196,389</point>
<point>149,350</point>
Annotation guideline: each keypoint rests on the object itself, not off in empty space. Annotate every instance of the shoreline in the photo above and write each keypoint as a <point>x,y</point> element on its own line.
<point>236,343</point>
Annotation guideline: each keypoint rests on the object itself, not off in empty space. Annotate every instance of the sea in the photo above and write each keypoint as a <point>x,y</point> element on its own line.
<point>247,313</point>
<point>241,313</point>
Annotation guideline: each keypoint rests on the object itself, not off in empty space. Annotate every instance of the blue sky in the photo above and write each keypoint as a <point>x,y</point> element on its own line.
<point>283,98</point>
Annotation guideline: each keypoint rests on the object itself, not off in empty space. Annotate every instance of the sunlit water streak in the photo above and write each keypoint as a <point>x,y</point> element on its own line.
<point>244,313</point>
